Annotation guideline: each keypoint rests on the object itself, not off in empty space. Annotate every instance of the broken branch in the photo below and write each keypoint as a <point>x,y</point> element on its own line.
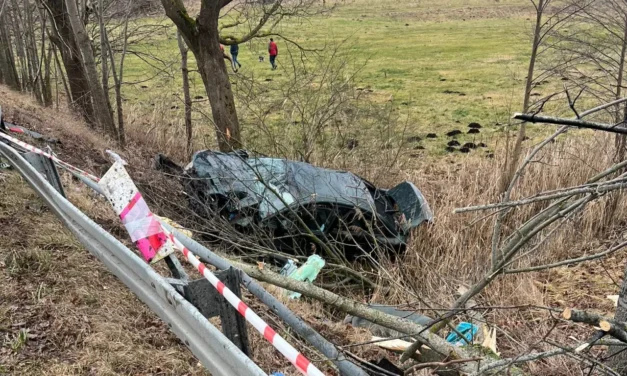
<point>532,118</point>
<point>505,363</point>
<point>568,262</point>
<point>419,366</point>
<point>616,329</point>
<point>572,192</point>
<point>425,337</point>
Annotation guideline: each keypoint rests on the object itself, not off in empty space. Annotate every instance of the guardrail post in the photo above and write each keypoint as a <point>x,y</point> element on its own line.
<point>211,304</point>
<point>46,167</point>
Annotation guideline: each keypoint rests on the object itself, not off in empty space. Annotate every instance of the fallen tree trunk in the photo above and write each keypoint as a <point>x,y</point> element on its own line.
<point>616,329</point>
<point>436,343</point>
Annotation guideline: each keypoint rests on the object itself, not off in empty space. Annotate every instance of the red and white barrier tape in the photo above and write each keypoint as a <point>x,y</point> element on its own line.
<point>293,355</point>
<point>127,202</point>
<point>45,154</point>
<point>15,129</point>
<point>142,227</point>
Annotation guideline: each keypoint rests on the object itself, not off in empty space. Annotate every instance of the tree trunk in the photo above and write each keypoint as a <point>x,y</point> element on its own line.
<point>8,70</point>
<point>63,38</point>
<point>510,165</point>
<point>59,72</point>
<point>31,54</point>
<point>46,83</point>
<point>215,77</point>
<point>618,357</point>
<point>104,54</point>
<point>46,56</point>
<point>186,95</point>
<point>102,113</point>
<point>37,58</point>
<point>19,44</point>
<point>620,140</point>
<point>202,37</point>
<point>119,77</point>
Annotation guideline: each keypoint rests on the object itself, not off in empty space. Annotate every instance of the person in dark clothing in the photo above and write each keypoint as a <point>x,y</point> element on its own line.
<point>273,50</point>
<point>234,53</point>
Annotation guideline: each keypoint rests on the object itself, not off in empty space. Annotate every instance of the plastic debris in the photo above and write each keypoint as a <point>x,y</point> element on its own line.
<point>277,374</point>
<point>489,341</point>
<point>289,268</point>
<point>614,299</point>
<point>306,273</point>
<point>467,329</point>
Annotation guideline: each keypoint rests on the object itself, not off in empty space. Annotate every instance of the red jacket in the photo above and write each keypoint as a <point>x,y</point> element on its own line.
<point>273,49</point>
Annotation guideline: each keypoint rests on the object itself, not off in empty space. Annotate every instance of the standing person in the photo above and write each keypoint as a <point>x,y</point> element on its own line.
<point>273,50</point>
<point>234,53</point>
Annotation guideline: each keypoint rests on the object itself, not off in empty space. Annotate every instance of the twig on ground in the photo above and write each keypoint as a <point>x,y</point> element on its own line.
<point>436,365</point>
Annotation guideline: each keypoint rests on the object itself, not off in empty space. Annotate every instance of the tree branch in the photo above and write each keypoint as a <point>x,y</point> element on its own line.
<point>228,40</point>
<point>615,128</point>
<point>567,262</point>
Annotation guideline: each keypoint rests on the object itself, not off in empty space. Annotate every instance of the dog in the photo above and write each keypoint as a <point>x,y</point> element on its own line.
<point>261,59</point>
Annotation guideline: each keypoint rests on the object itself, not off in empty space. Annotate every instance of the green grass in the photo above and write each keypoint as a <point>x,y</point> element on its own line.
<point>444,64</point>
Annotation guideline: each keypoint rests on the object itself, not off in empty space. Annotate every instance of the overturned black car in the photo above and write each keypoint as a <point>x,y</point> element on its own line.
<point>299,206</point>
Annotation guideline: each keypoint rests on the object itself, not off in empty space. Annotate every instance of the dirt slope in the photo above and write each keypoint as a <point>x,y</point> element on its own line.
<point>62,312</point>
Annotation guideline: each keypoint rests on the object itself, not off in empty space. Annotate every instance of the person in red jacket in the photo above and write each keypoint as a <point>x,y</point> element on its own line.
<point>227,57</point>
<point>273,50</point>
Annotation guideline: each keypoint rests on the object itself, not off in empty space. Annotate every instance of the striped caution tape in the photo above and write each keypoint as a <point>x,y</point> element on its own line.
<point>293,355</point>
<point>48,155</point>
<point>155,242</point>
<point>134,212</point>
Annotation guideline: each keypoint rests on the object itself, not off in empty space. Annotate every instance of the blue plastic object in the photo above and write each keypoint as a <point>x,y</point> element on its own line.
<point>288,268</point>
<point>276,374</point>
<point>467,329</point>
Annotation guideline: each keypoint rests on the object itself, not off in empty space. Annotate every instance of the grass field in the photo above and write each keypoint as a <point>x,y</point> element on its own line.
<point>444,64</point>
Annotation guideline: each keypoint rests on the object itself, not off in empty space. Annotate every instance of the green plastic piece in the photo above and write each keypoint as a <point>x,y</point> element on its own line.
<point>306,273</point>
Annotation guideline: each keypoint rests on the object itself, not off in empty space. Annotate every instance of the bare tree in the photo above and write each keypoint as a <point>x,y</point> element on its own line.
<point>104,51</point>
<point>561,206</point>
<point>544,28</point>
<point>20,45</point>
<point>8,69</point>
<point>108,55</point>
<point>204,34</point>
<point>187,98</point>
<point>61,35</point>
<point>102,111</point>
<point>26,52</point>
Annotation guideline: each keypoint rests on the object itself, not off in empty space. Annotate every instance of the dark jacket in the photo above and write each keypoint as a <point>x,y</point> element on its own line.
<point>234,49</point>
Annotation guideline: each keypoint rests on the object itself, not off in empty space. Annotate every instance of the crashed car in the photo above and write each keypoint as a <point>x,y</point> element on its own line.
<point>295,202</point>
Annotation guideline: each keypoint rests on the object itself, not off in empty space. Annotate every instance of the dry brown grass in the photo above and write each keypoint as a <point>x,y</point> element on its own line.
<point>61,311</point>
<point>456,249</point>
<point>453,251</point>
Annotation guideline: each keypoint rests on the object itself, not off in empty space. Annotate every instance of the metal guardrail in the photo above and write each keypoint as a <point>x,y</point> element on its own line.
<point>207,343</point>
